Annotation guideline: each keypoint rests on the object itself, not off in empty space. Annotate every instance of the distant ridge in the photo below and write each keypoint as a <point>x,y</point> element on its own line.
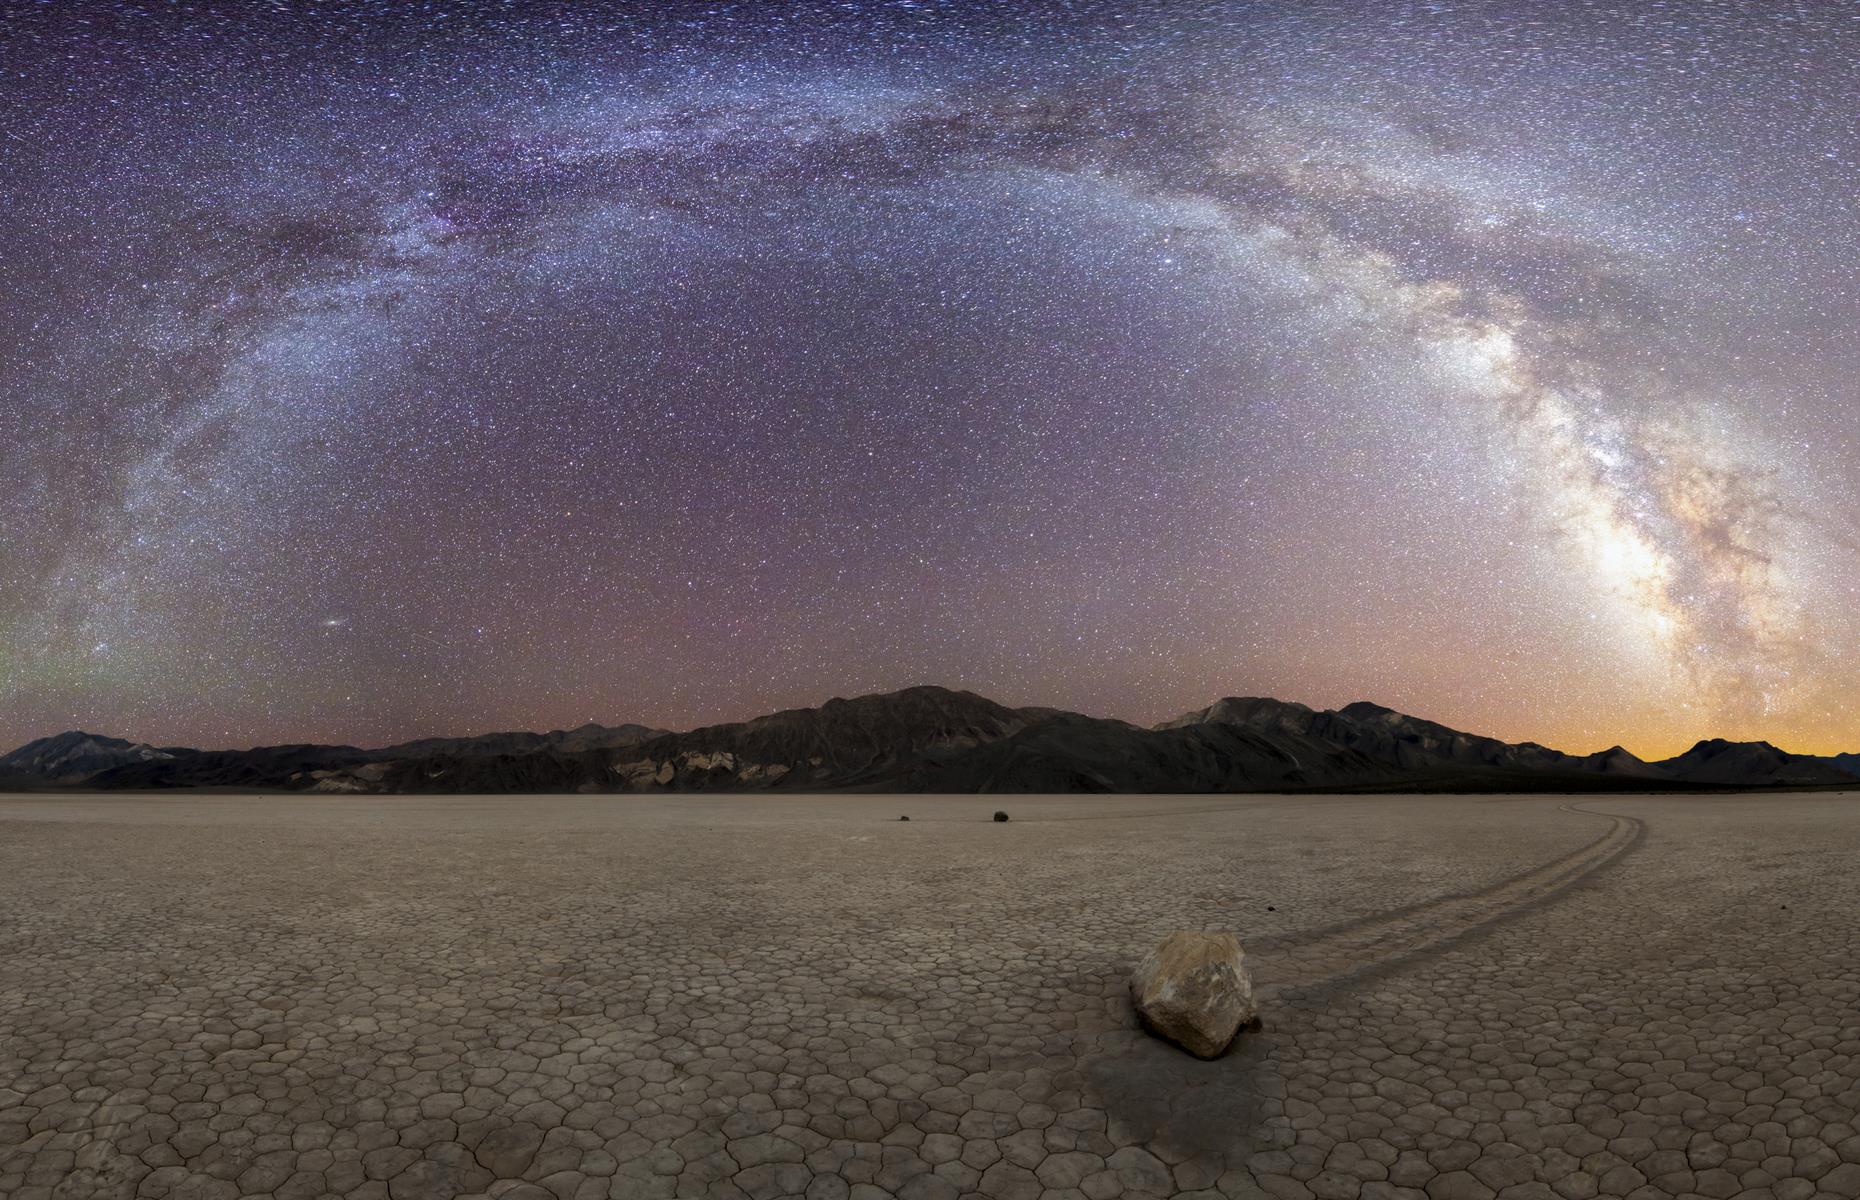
<point>1745,764</point>
<point>583,737</point>
<point>76,756</point>
<point>933,739</point>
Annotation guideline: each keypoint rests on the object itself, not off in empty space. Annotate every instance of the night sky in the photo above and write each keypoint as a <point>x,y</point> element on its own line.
<point>370,371</point>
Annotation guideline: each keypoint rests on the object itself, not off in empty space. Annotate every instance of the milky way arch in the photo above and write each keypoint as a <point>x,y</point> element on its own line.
<point>373,374</point>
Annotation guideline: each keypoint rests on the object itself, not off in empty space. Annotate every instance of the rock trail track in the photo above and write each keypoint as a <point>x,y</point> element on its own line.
<point>1338,954</point>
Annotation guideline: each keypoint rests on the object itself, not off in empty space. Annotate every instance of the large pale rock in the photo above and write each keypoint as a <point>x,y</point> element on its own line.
<point>1194,990</point>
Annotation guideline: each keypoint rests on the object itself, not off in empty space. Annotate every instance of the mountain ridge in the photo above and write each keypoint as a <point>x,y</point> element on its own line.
<point>935,739</point>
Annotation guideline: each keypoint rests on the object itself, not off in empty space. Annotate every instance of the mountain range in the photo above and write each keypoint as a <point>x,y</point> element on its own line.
<point>931,739</point>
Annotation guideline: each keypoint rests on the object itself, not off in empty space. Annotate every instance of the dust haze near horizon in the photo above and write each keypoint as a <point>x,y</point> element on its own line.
<point>370,372</point>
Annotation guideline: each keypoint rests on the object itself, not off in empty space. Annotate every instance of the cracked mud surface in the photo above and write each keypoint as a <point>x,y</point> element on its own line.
<point>534,997</point>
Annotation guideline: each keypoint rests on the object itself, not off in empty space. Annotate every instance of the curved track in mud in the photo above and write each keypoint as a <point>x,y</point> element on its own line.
<point>1337,954</point>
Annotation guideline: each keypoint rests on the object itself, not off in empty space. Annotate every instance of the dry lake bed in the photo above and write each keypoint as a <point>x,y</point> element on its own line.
<point>535,997</point>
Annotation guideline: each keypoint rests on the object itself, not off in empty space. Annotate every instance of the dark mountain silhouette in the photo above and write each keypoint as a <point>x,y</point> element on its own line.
<point>841,744</point>
<point>75,756</point>
<point>1392,739</point>
<point>297,766</point>
<point>937,740</point>
<point>1746,764</point>
<point>584,737</point>
<point>1072,753</point>
<point>259,767</point>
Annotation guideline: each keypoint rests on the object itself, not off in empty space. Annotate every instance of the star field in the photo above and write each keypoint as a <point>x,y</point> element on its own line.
<point>370,371</point>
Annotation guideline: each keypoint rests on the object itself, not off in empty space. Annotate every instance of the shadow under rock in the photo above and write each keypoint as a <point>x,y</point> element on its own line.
<point>1202,1117</point>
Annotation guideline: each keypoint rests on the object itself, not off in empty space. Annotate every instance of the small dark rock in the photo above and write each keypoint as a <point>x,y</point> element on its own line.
<point>903,818</point>
<point>1000,816</point>
<point>1269,908</point>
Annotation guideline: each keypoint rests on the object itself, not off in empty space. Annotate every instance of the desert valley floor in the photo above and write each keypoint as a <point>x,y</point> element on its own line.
<point>535,997</point>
